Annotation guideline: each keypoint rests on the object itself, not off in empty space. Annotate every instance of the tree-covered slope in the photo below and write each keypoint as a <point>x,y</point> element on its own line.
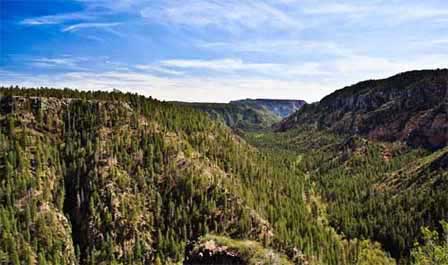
<point>377,153</point>
<point>380,191</point>
<point>111,178</point>
<point>250,114</point>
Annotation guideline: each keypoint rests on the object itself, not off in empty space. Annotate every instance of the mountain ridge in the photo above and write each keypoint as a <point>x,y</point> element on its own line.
<point>281,107</point>
<point>249,114</point>
<point>411,107</point>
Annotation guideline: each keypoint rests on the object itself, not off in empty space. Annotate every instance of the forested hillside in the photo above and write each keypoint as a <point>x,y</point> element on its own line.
<point>382,191</point>
<point>377,153</point>
<point>250,114</point>
<point>112,178</point>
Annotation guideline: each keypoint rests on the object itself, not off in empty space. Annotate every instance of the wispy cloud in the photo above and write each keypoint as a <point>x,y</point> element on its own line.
<point>79,26</point>
<point>240,68</point>
<point>228,64</point>
<point>419,12</point>
<point>233,67</point>
<point>210,89</point>
<point>230,15</point>
<point>309,80</point>
<point>215,50</point>
<point>399,11</point>
<point>60,62</point>
<point>242,15</point>
<point>116,5</point>
<point>279,46</point>
<point>337,8</point>
<point>57,19</point>
<point>158,69</point>
<point>75,21</point>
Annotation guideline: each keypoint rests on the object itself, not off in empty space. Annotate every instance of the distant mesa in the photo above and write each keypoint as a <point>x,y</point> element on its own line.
<point>250,114</point>
<point>281,107</point>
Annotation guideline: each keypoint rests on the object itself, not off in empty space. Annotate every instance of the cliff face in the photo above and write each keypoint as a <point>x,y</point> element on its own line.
<point>281,107</point>
<point>411,107</point>
<point>249,114</point>
<point>236,116</point>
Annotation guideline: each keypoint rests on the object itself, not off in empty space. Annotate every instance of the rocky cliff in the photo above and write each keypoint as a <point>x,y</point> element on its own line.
<point>249,114</point>
<point>411,107</point>
<point>281,107</point>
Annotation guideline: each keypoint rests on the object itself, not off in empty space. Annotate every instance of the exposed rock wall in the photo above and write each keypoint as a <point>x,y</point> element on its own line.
<point>411,107</point>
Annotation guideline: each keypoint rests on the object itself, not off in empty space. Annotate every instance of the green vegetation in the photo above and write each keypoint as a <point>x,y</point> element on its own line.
<point>434,251</point>
<point>112,178</point>
<point>249,114</point>
<point>250,252</point>
<point>377,153</point>
<point>379,191</point>
<point>238,116</point>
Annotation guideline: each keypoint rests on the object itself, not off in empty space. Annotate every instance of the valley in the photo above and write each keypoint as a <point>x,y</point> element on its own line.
<point>235,132</point>
<point>249,114</point>
<point>113,178</point>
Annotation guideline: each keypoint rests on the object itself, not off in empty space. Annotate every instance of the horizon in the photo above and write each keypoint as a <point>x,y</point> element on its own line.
<point>220,102</point>
<point>208,51</point>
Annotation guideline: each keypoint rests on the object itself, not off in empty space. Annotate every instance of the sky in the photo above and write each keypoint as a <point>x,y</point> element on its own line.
<point>218,50</point>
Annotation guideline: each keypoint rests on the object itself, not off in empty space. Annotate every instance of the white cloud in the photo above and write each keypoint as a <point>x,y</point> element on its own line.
<point>279,46</point>
<point>310,81</point>
<point>418,12</point>
<point>240,69</point>
<point>230,15</point>
<point>337,8</point>
<point>158,69</point>
<point>186,89</point>
<point>358,68</point>
<point>115,5</point>
<point>57,19</point>
<point>58,62</point>
<point>220,64</point>
<point>80,26</point>
<point>371,14</point>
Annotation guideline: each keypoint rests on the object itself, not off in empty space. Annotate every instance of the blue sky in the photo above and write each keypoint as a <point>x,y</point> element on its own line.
<point>197,50</point>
